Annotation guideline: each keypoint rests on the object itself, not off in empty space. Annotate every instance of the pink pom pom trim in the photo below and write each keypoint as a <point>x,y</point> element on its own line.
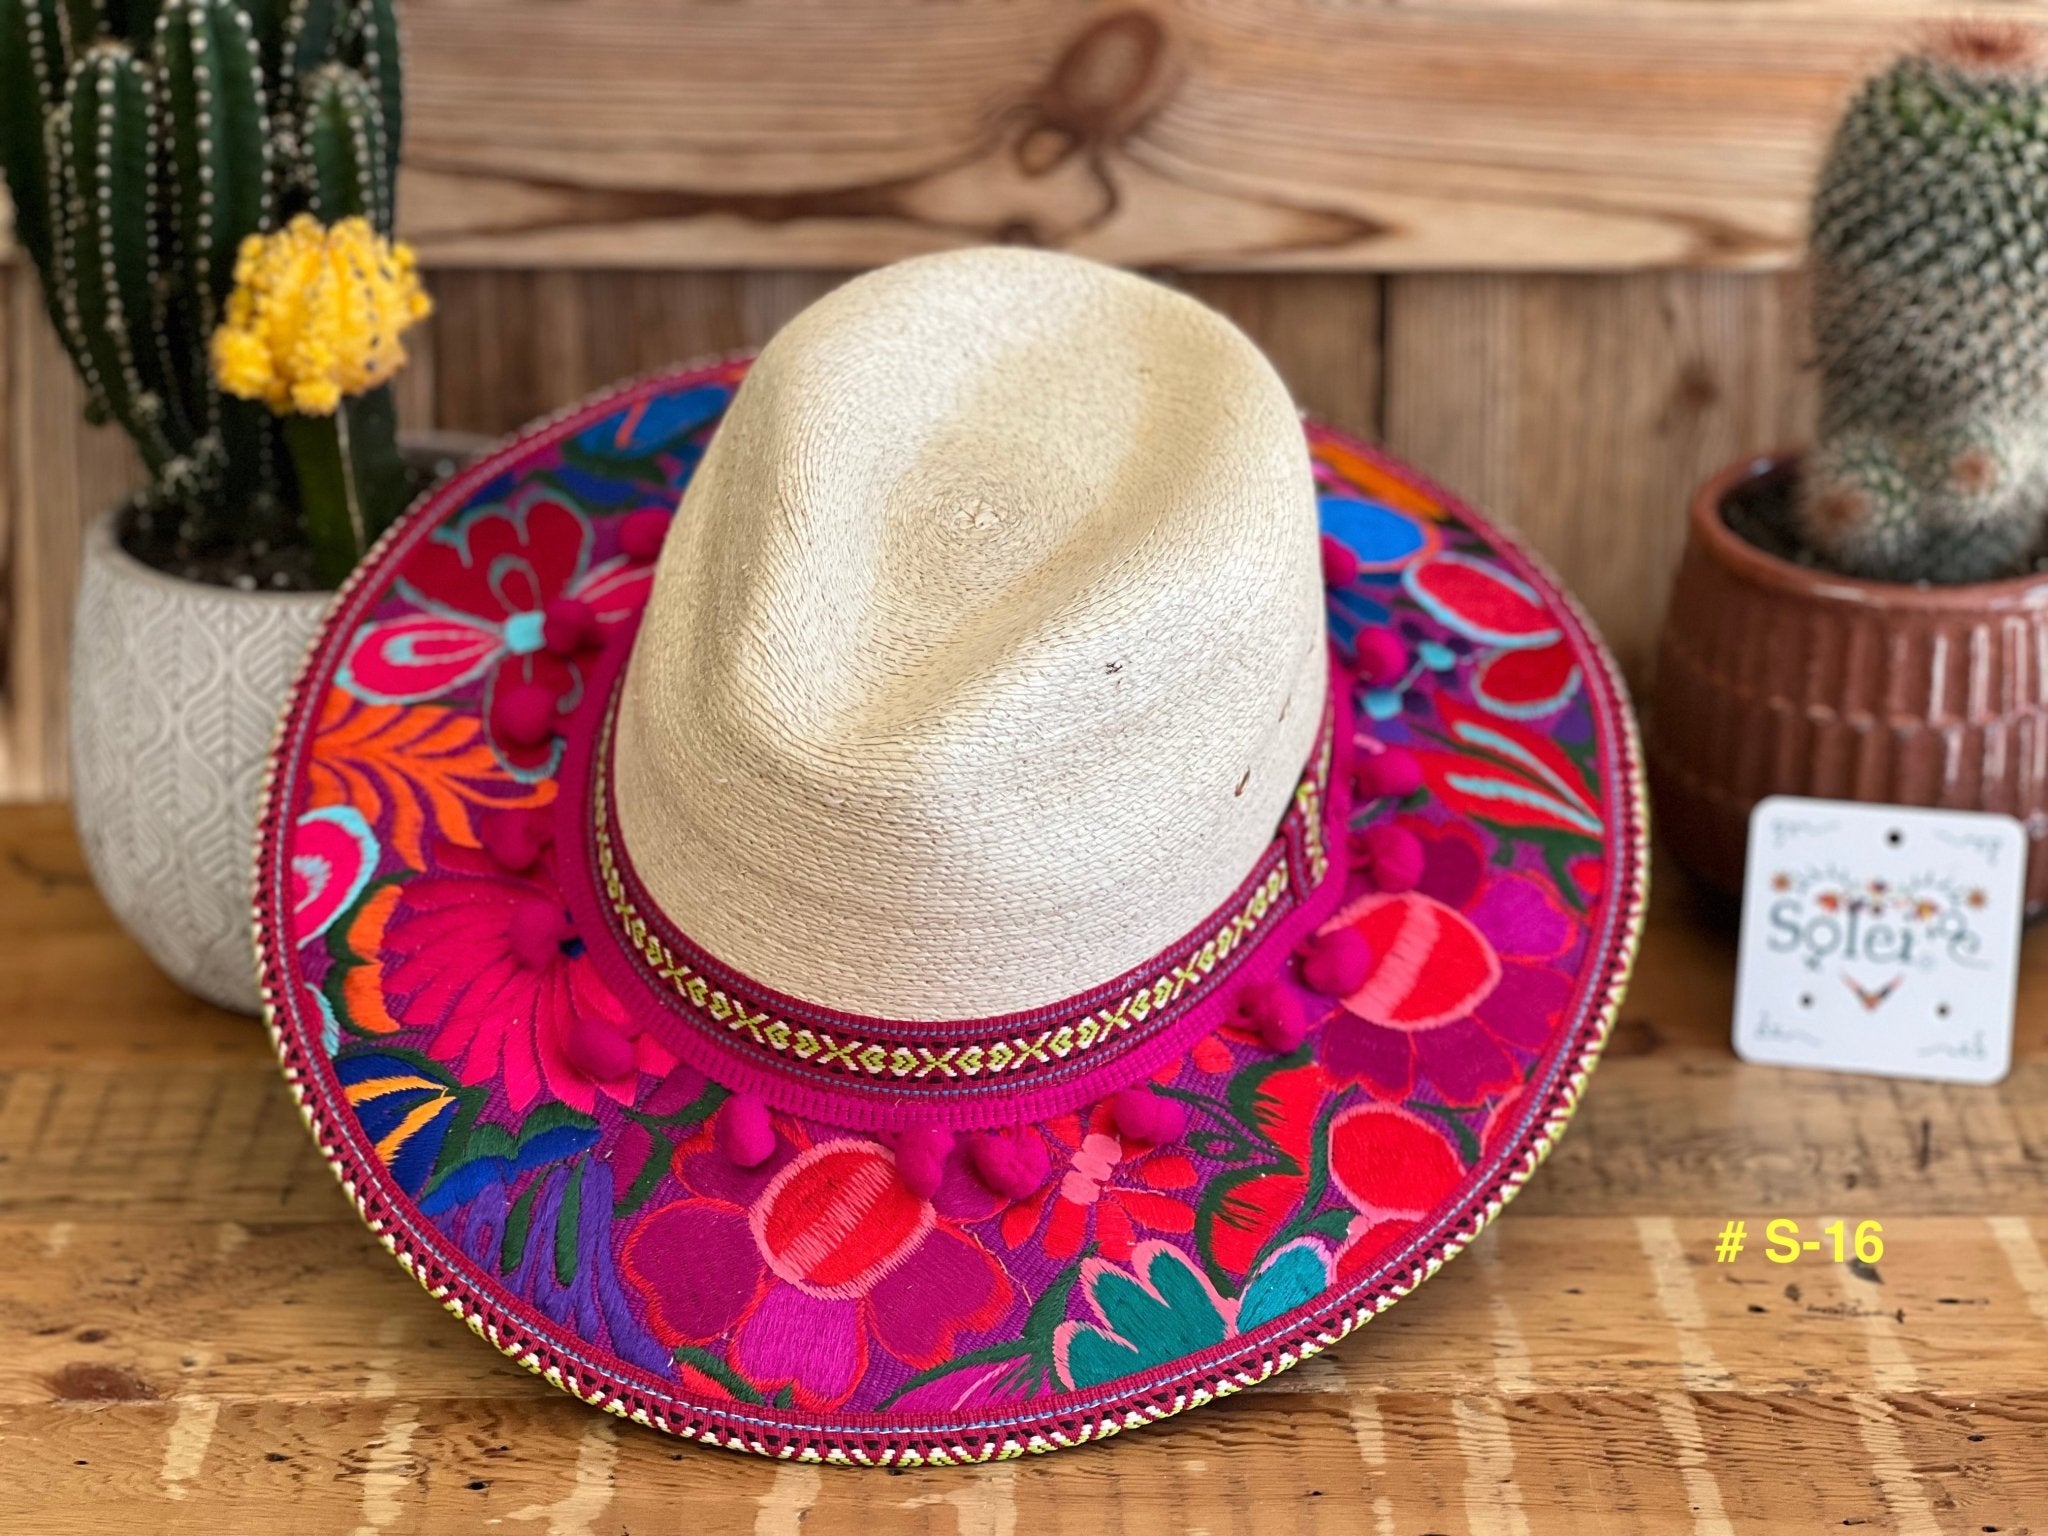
<point>524,715</point>
<point>1335,963</point>
<point>1340,566</point>
<point>1142,1115</point>
<point>1013,1164</point>
<point>514,839</point>
<point>921,1154</point>
<point>743,1131</point>
<point>1379,656</point>
<point>1391,772</point>
<point>1271,1009</point>
<point>569,625</point>
<point>642,534</point>
<point>537,929</point>
<point>1391,855</point>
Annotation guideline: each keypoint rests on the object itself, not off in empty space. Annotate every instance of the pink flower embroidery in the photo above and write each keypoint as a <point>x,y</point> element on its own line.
<point>449,964</point>
<point>794,1273</point>
<point>482,589</point>
<point>1464,982</point>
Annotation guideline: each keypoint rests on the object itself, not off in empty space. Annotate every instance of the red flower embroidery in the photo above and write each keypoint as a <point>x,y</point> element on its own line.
<point>1255,1204</point>
<point>1527,668</point>
<point>1393,1168</point>
<point>1507,775</point>
<point>1109,1191</point>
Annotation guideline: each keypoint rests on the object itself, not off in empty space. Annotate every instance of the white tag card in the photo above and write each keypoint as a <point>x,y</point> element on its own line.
<point>1880,938</point>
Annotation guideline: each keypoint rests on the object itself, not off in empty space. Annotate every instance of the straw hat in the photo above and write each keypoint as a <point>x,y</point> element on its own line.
<point>1042,894</point>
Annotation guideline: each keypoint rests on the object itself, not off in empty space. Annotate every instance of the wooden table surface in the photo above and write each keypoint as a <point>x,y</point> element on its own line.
<point>196,1334</point>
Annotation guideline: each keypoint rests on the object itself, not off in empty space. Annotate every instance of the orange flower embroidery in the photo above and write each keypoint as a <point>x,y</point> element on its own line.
<point>423,764</point>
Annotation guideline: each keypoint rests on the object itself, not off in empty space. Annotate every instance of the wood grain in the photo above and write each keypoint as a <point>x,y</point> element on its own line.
<point>60,474</point>
<point>1531,134</point>
<point>197,1336</point>
<point>1583,412</point>
<point>1278,134</point>
<point>513,346</point>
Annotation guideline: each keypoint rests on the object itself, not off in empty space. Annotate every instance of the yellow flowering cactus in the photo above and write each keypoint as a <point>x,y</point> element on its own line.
<point>207,190</point>
<point>314,329</point>
<point>317,313</point>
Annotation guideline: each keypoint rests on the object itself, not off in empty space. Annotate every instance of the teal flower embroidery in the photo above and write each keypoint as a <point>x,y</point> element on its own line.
<point>1163,1309</point>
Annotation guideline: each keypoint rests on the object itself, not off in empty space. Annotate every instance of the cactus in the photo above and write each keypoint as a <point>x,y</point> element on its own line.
<point>1930,256</point>
<point>143,142</point>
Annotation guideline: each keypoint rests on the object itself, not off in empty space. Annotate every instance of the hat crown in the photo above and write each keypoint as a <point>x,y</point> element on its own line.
<point>987,649</point>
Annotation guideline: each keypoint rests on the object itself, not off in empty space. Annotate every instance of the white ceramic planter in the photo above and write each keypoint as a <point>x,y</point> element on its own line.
<point>176,689</point>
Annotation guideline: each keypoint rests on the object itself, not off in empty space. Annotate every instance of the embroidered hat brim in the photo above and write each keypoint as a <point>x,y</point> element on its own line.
<point>571,1204</point>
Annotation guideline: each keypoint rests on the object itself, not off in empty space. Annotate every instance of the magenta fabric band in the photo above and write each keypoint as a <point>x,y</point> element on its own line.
<point>869,1073</point>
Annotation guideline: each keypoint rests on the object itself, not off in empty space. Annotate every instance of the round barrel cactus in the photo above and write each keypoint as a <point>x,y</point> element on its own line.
<point>1930,268</point>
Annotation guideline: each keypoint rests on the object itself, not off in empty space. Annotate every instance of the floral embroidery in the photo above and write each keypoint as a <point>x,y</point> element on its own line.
<point>449,966</point>
<point>1464,986</point>
<point>1509,776</point>
<point>429,767</point>
<point>809,1265</point>
<point>1394,1168</point>
<point>1382,538</point>
<point>1245,1209</point>
<point>334,858</point>
<point>480,590</point>
<point>1527,669</point>
<point>1162,1308</point>
<point>1106,1193</point>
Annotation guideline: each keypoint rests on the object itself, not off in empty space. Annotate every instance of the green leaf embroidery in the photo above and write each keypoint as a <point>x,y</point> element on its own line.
<point>567,1220</point>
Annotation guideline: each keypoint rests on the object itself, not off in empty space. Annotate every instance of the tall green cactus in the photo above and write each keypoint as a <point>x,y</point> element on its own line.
<point>143,141</point>
<point>1930,255</point>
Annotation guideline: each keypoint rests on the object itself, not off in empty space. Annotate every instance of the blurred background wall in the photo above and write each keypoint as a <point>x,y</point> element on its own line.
<point>1548,250</point>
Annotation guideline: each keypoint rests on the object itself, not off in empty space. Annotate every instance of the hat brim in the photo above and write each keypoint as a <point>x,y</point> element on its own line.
<point>576,1212</point>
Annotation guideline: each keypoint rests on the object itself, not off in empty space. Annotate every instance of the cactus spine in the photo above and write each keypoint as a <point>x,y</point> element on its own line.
<point>143,141</point>
<point>1930,247</point>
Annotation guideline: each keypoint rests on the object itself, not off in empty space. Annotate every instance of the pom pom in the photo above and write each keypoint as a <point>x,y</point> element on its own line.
<point>523,715</point>
<point>1340,566</point>
<point>1273,1010</point>
<point>597,1050</point>
<point>514,839</point>
<point>744,1133</point>
<point>641,535</point>
<point>1013,1164</point>
<point>1336,963</point>
<point>569,625</point>
<point>1142,1115</point>
<point>537,930</point>
<point>1392,856</point>
<point>1380,657</point>
<point>1390,772</point>
<point>921,1154</point>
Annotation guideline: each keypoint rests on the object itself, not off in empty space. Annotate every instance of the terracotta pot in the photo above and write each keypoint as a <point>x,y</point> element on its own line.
<point>1776,679</point>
